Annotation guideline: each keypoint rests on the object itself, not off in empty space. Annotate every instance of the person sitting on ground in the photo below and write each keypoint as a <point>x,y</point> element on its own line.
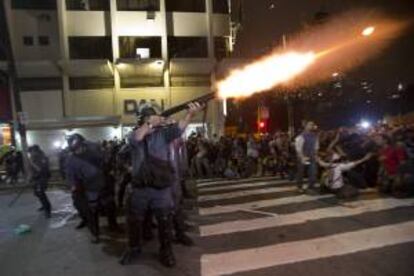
<point>334,179</point>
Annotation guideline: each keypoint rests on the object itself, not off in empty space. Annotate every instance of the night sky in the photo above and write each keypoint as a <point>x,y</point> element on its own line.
<point>265,21</point>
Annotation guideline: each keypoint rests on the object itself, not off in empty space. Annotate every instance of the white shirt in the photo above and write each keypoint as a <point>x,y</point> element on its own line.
<point>335,179</point>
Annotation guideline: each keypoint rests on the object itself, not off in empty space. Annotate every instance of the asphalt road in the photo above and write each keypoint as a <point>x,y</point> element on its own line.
<point>245,227</point>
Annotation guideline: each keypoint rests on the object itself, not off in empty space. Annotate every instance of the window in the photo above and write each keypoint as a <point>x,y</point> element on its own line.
<point>187,47</point>
<point>87,5</point>
<point>194,80</point>
<point>90,47</point>
<point>139,5</point>
<point>141,81</point>
<point>186,5</point>
<point>28,40</point>
<point>221,47</point>
<point>220,6</point>
<point>43,40</point>
<point>135,47</point>
<point>84,83</point>
<point>38,84</point>
<point>34,4</point>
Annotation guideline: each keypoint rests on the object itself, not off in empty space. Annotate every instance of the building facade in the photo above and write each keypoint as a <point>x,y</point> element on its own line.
<point>85,65</point>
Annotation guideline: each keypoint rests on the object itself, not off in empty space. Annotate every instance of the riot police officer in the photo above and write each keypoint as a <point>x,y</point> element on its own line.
<point>40,174</point>
<point>84,174</point>
<point>152,180</point>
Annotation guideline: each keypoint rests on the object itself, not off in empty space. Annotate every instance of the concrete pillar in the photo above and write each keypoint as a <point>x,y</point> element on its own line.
<point>9,18</point>
<point>115,56</point>
<point>210,34</point>
<point>64,53</point>
<point>165,54</point>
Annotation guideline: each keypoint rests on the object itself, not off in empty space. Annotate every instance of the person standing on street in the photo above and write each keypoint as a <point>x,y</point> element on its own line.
<point>307,146</point>
<point>152,180</point>
<point>84,174</point>
<point>40,175</point>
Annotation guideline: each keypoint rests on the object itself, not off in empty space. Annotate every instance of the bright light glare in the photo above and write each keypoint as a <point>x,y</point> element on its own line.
<point>57,144</point>
<point>335,74</point>
<point>365,124</point>
<point>265,74</point>
<point>64,145</point>
<point>368,31</point>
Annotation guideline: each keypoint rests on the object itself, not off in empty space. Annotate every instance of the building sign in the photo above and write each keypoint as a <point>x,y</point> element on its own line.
<point>131,106</point>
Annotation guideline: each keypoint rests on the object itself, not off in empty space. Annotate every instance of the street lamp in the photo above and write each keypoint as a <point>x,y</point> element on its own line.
<point>368,31</point>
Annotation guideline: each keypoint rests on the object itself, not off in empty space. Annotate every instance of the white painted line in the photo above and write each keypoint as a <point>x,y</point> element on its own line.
<point>250,211</point>
<point>221,209</point>
<point>299,251</point>
<point>238,226</point>
<point>241,180</point>
<point>245,185</point>
<point>245,193</point>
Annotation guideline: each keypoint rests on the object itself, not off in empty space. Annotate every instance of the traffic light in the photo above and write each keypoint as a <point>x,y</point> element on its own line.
<point>261,125</point>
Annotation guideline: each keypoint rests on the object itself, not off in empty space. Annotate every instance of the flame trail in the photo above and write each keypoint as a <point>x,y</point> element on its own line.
<point>265,74</point>
<point>342,44</point>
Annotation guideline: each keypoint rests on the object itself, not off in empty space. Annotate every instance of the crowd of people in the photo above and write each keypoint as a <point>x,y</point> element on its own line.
<point>145,175</point>
<point>12,160</point>
<point>342,160</point>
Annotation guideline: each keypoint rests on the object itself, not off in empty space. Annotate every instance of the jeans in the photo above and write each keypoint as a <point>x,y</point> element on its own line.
<point>312,172</point>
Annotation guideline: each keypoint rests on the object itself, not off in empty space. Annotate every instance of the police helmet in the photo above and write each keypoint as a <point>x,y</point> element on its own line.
<point>144,111</point>
<point>75,141</point>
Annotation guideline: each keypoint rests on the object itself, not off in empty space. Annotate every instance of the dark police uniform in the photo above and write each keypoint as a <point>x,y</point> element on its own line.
<point>40,176</point>
<point>178,152</point>
<point>147,194</point>
<point>85,176</point>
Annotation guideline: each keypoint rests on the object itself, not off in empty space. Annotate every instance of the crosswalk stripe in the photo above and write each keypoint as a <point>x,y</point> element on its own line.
<point>245,185</point>
<point>245,193</point>
<point>236,181</point>
<point>299,251</point>
<point>301,217</point>
<point>222,209</point>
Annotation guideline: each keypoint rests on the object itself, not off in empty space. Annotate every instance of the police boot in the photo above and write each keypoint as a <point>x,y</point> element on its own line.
<point>166,256</point>
<point>93,222</point>
<point>148,235</point>
<point>81,224</point>
<point>112,219</point>
<point>180,228</point>
<point>134,240</point>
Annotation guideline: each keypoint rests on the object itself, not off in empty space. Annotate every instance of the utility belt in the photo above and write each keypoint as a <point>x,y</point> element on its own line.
<point>139,183</point>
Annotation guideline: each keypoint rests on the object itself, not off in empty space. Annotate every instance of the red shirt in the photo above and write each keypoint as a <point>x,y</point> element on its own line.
<point>392,158</point>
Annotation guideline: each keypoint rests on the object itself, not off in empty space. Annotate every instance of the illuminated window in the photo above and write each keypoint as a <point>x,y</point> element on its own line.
<point>5,135</point>
<point>140,47</point>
